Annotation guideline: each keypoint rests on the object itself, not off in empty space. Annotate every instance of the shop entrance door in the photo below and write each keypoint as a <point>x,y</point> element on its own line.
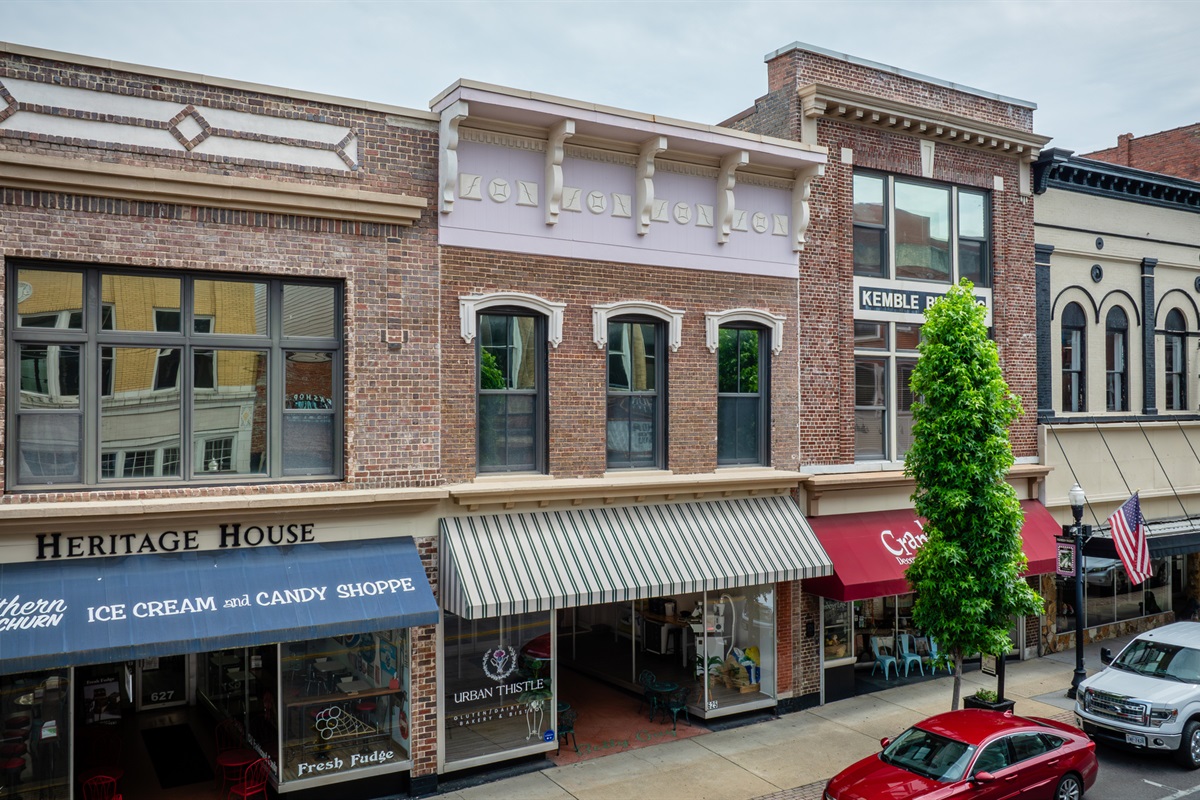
<point>162,682</point>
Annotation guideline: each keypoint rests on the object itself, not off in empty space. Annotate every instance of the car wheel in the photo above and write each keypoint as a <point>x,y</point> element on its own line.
<point>1069,788</point>
<point>1188,753</point>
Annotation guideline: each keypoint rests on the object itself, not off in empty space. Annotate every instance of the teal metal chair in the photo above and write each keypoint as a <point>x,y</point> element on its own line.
<point>566,728</point>
<point>882,658</point>
<point>674,703</point>
<point>908,654</point>
<point>646,680</point>
<point>932,658</point>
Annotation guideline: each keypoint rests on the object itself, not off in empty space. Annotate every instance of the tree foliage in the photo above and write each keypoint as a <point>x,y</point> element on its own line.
<point>967,575</point>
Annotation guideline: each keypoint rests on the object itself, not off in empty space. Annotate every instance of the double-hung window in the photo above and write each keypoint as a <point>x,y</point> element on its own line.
<point>512,396</point>
<point>885,354</point>
<point>1074,358</point>
<point>918,230</point>
<point>743,421</point>
<point>171,377</point>
<point>1175,362</point>
<point>1116,342</point>
<point>636,414</point>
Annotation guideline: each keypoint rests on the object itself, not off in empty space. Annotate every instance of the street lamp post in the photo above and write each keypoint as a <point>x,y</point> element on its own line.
<point>1081,533</point>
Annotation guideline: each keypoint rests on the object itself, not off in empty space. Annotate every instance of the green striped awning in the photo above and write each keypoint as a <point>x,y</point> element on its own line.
<point>516,563</point>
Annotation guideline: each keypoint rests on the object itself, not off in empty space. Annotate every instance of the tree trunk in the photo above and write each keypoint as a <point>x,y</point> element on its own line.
<point>957,695</point>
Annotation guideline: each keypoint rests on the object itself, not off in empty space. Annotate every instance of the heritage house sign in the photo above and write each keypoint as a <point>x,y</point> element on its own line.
<point>230,534</point>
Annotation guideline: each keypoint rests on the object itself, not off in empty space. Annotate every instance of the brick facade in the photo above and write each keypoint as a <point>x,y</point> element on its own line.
<point>1174,152</point>
<point>577,368</point>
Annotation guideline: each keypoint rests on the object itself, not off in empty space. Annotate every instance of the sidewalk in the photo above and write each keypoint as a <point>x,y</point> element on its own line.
<point>789,758</point>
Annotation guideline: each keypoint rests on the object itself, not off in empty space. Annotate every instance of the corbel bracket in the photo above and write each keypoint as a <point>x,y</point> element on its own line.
<point>801,192</point>
<point>452,115</point>
<point>726,179</point>
<point>559,134</point>
<point>645,181</point>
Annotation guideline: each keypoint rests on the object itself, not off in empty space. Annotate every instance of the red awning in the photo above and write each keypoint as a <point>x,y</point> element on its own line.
<point>870,551</point>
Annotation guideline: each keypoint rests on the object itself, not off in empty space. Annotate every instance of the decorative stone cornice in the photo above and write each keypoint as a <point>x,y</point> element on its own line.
<point>156,185</point>
<point>1062,169</point>
<point>819,100</point>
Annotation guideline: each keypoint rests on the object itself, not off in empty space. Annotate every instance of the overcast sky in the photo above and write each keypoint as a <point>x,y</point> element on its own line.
<point>1094,69</point>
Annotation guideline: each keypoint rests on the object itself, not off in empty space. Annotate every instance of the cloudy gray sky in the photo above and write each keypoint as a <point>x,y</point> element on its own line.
<point>1095,69</point>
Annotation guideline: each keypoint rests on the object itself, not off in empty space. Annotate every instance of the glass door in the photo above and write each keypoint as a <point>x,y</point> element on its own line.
<point>161,682</point>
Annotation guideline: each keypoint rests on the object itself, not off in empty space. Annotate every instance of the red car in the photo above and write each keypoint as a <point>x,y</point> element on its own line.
<point>983,755</point>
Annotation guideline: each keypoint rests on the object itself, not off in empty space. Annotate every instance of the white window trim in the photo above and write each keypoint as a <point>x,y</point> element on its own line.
<point>713,320</point>
<point>601,314</point>
<point>470,305</point>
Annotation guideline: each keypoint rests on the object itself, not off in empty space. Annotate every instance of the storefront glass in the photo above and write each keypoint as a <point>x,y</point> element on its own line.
<point>35,706</point>
<point>1108,595</point>
<point>342,702</point>
<point>707,652</point>
<point>499,687</point>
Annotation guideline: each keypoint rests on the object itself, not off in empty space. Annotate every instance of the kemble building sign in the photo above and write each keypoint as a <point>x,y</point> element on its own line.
<point>904,301</point>
<point>543,175</point>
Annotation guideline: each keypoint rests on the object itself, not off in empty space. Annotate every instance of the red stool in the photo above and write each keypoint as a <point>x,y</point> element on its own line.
<point>12,769</point>
<point>14,735</point>
<point>364,709</point>
<point>18,721</point>
<point>233,763</point>
<point>13,750</point>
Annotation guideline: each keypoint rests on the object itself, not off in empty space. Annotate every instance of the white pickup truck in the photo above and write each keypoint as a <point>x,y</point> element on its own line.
<point>1149,695</point>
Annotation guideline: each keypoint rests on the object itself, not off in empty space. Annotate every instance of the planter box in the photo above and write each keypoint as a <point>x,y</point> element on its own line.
<point>971,701</point>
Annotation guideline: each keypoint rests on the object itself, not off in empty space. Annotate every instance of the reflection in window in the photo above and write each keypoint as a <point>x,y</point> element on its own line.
<point>973,248</point>
<point>1110,597</point>
<point>870,409</point>
<point>1116,338</point>
<point>870,233</point>
<point>1074,360</point>
<point>1175,362</point>
<point>511,399</point>
<point>165,404</point>
<point>635,415</point>
<point>499,685</point>
<point>922,231</point>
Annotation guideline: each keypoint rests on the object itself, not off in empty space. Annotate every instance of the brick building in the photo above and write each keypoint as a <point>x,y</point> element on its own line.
<point>1175,152</point>
<point>221,428</point>
<point>927,182</point>
<point>1118,279</point>
<point>365,430</point>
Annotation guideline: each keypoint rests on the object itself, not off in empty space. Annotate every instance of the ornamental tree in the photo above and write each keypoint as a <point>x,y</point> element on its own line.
<point>967,574</point>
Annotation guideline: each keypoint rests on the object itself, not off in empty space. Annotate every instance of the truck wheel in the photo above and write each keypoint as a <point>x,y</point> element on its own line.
<point>1188,753</point>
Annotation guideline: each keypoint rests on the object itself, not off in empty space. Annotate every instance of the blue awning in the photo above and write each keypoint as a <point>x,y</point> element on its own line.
<point>98,610</point>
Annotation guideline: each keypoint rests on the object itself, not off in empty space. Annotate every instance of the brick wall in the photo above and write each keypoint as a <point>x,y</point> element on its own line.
<point>389,272</point>
<point>826,265</point>
<point>1174,152</point>
<point>577,368</point>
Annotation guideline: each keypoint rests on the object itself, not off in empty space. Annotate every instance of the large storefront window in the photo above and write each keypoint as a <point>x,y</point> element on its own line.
<point>1108,595</point>
<point>36,732</point>
<point>710,652</point>
<point>341,703</point>
<point>128,378</point>
<point>499,687</point>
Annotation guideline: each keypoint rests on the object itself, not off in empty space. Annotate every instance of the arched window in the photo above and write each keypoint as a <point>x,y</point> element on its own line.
<point>742,397</point>
<point>1175,362</point>
<point>1116,346</point>
<point>1074,359</point>
<point>511,412</point>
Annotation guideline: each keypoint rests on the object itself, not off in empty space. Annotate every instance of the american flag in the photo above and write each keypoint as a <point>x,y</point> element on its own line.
<point>1129,536</point>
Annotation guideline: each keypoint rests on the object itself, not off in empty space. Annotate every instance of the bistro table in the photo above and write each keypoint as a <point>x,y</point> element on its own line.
<point>659,691</point>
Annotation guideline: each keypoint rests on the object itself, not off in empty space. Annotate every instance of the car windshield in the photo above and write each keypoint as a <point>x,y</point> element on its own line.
<point>929,755</point>
<point>1161,660</point>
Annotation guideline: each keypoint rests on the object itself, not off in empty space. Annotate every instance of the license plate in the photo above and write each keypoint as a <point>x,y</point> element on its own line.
<point>1134,738</point>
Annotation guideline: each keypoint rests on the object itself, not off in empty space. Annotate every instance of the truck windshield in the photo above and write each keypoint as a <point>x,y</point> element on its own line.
<point>1161,661</point>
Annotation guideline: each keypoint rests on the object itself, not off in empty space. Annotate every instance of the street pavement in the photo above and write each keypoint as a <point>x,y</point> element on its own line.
<point>790,757</point>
